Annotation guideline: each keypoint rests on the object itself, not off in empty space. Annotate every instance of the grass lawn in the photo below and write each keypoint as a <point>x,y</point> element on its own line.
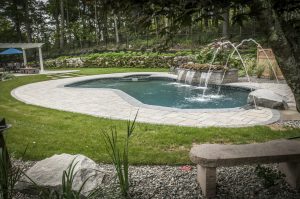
<point>48,131</point>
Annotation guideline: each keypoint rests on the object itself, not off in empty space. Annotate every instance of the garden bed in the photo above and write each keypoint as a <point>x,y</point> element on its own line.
<point>121,59</point>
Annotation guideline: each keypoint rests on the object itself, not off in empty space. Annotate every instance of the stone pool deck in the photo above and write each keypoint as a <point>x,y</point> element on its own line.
<point>115,104</point>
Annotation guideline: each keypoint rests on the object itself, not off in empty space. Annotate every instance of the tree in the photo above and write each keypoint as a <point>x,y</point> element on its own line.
<point>280,21</point>
<point>116,28</point>
<point>62,24</point>
<point>27,20</point>
<point>225,16</point>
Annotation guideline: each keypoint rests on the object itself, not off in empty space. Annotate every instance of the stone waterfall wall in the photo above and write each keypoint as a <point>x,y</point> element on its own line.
<point>215,78</point>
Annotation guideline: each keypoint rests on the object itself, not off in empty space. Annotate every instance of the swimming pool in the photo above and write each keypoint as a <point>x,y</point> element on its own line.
<point>166,92</point>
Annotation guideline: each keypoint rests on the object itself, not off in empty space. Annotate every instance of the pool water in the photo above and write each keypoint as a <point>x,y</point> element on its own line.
<point>169,93</point>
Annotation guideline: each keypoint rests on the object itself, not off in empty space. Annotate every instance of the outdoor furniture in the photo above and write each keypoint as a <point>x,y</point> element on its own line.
<point>2,67</point>
<point>17,67</point>
<point>210,156</point>
<point>24,47</point>
<point>9,67</point>
<point>29,70</point>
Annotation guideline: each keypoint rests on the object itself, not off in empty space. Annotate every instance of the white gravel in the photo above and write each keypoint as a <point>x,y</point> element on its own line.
<point>289,123</point>
<point>170,182</point>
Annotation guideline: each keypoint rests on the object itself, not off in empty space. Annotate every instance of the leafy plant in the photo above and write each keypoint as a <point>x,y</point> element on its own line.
<point>269,176</point>
<point>271,72</point>
<point>259,70</point>
<point>119,158</point>
<point>203,67</point>
<point>9,175</point>
<point>120,59</point>
<point>6,76</point>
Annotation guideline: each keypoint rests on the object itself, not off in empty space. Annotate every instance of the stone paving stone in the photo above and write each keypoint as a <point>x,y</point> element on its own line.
<point>110,104</point>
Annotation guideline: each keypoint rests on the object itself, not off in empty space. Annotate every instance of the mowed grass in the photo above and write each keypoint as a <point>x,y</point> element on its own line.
<point>48,132</point>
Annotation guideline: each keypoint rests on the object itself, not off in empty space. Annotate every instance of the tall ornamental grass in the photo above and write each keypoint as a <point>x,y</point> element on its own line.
<point>118,155</point>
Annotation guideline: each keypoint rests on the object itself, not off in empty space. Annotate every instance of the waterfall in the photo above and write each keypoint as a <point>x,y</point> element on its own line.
<point>203,78</point>
<point>189,77</point>
<point>180,74</point>
<point>235,50</point>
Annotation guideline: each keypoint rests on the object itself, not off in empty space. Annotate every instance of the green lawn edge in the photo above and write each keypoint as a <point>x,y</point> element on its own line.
<point>47,132</point>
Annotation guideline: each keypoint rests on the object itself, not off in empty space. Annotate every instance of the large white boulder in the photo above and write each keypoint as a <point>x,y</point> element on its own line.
<point>48,173</point>
<point>267,98</point>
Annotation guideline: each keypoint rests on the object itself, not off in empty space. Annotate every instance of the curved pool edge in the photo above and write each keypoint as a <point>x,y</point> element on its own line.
<point>135,102</point>
<point>32,94</point>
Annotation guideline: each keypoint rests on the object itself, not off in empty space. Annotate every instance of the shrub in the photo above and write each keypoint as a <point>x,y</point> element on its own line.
<point>225,56</point>
<point>271,73</point>
<point>203,67</point>
<point>9,175</point>
<point>6,76</point>
<point>269,176</point>
<point>117,59</point>
<point>259,70</point>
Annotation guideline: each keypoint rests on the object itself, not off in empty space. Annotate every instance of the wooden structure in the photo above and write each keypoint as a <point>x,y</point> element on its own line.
<point>266,58</point>
<point>25,46</point>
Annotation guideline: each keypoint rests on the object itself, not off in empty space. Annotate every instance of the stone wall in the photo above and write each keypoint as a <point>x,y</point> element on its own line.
<point>124,61</point>
<point>199,77</point>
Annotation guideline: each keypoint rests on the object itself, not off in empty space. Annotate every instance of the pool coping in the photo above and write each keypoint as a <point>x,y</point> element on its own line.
<point>137,104</point>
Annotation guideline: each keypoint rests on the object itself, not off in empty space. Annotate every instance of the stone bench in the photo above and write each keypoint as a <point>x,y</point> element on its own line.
<point>210,156</point>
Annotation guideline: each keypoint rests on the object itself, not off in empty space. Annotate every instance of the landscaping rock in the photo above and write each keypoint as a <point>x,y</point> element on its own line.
<point>75,62</point>
<point>268,99</point>
<point>174,182</point>
<point>48,173</point>
<point>121,60</point>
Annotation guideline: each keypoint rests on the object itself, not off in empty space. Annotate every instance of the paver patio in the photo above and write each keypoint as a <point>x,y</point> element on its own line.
<point>116,104</point>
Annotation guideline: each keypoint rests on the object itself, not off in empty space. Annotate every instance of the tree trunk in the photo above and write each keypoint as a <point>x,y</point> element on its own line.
<point>166,20</point>
<point>216,22</point>
<point>116,29</point>
<point>241,11</point>
<point>156,26</point>
<point>206,23</point>
<point>27,22</point>
<point>67,31</point>
<point>226,23</point>
<point>16,20</point>
<point>57,30</point>
<point>96,23</point>
<point>283,40</point>
<point>62,24</point>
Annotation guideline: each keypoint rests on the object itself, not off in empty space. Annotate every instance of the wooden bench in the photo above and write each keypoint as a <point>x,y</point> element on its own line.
<point>210,156</point>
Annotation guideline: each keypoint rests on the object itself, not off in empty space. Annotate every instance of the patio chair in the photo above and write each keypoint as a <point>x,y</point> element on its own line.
<point>17,67</point>
<point>9,67</point>
<point>2,65</point>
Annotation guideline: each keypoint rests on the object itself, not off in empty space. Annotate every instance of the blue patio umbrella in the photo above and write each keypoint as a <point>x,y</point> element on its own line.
<point>11,51</point>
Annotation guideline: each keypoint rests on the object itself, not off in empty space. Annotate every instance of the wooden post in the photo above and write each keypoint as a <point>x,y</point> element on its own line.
<point>24,57</point>
<point>41,59</point>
